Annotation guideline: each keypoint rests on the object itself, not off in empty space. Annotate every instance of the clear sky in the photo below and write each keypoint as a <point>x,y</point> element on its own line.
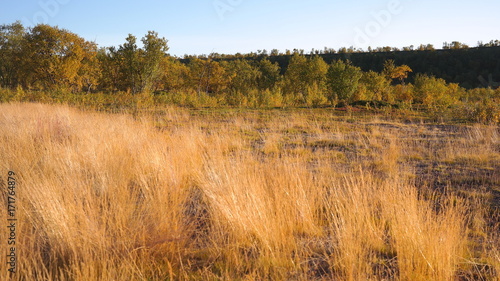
<point>231,26</point>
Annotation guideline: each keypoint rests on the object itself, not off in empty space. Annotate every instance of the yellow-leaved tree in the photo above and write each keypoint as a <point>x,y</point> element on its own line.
<point>396,72</point>
<point>55,58</point>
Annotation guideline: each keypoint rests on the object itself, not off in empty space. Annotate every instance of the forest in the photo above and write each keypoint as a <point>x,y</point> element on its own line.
<point>46,62</point>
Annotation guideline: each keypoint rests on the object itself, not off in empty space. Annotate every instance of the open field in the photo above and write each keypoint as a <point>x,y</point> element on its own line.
<point>303,194</point>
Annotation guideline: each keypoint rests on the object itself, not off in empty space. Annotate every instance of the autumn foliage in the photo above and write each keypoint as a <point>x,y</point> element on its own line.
<point>48,59</point>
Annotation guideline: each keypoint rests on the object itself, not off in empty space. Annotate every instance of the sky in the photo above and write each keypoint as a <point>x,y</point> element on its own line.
<point>197,27</point>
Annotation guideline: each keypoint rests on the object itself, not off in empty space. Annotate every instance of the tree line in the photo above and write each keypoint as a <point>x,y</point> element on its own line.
<point>47,58</point>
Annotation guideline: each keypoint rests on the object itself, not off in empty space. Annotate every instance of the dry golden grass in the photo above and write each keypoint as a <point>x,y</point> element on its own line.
<point>244,196</point>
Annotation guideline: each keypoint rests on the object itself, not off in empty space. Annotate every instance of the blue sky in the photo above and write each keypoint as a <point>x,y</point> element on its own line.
<point>230,26</point>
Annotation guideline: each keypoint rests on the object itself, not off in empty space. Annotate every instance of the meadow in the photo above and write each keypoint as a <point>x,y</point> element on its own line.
<point>239,194</point>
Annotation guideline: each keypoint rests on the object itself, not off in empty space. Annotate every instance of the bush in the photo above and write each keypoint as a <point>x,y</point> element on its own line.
<point>315,96</point>
<point>434,93</point>
<point>271,97</point>
<point>486,111</point>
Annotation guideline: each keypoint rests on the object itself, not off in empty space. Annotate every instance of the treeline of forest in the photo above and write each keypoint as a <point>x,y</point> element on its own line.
<point>45,59</point>
<point>470,67</point>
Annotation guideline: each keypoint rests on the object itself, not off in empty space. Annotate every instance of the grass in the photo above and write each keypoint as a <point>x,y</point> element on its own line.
<point>179,194</point>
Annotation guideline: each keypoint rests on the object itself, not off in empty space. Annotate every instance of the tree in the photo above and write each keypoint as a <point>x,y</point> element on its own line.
<point>295,73</point>
<point>274,52</point>
<point>244,76</point>
<point>401,73</point>
<point>207,76</point>
<point>89,71</point>
<point>129,64</point>
<point>389,67</point>
<point>270,74</point>
<point>110,67</point>
<point>455,45</point>
<point>57,58</point>
<point>316,71</point>
<point>377,86</point>
<point>316,81</point>
<point>11,52</point>
<point>138,69</point>
<point>174,76</point>
<point>396,72</point>
<point>154,51</point>
<point>303,74</point>
<point>342,80</point>
<point>428,47</point>
<point>434,93</point>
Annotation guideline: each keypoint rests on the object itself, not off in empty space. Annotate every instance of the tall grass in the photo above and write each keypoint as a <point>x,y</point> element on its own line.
<point>112,197</point>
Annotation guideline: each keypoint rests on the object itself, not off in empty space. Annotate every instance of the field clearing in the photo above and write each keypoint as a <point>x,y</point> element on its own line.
<point>177,194</point>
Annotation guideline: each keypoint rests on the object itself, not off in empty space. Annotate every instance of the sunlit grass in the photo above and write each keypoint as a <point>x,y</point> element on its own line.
<point>177,195</point>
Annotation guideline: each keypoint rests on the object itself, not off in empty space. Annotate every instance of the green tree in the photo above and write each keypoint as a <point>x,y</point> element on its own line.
<point>129,64</point>
<point>434,93</point>
<point>316,81</point>
<point>270,74</point>
<point>377,86</point>
<point>139,68</point>
<point>342,81</point>
<point>244,76</point>
<point>304,77</point>
<point>110,68</point>
<point>150,58</point>
<point>295,74</point>
<point>11,53</point>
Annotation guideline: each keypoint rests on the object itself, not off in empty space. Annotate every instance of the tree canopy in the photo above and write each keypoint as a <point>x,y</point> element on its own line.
<point>48,58</point>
